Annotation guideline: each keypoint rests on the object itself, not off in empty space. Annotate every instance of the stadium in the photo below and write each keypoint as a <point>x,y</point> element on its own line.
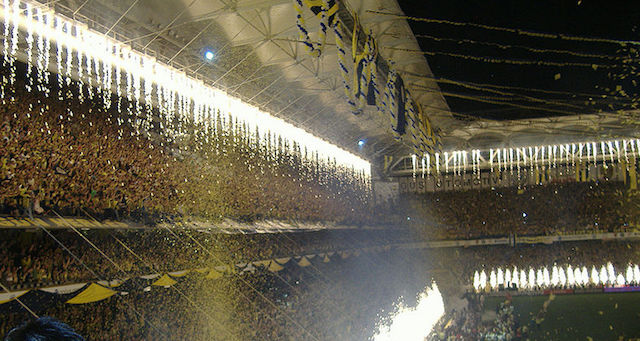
<point>319,170</point>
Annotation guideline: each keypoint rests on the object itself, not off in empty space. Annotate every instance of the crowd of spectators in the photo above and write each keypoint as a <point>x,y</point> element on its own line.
<point>461,324</point>
<point>69,157</point>
<point>467,324</point>
<point>34,258</point>
<point>73,158</point>
<point>465,261</point>
<point>555,208</point>
<point>64,156</point>
<point>341,300</point>
<point>505,324</point>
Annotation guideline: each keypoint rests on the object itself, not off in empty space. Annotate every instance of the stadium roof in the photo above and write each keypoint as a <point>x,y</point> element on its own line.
<point>257,55</point>
<point>519,86</point>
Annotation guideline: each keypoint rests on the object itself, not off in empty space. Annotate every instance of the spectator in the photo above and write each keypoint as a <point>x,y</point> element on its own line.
<point>43,329</point>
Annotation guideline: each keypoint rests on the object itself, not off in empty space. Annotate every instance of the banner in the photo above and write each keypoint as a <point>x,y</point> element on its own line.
<point>534,240</point>
<point>248,268</point>
<point>622,289</point>
<point>274,266</point>
<point>283,261</point>
<point>264,263</point>
<point>113,283</point>
<point>179,273</point>
<point>92,293</point>
<point>304,262</point>
<point>213,274</point>
<point>64,289</point>
<point>101,289</point>
<point>8,296</point>
<point>558,291</point>
<point>164,281</point>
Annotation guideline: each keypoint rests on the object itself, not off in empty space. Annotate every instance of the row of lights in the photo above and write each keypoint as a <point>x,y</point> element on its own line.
<point>459,161</point>
<point>107,64</point>
<point>559,276</point>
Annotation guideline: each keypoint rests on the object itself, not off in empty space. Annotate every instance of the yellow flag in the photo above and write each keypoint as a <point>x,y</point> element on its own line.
<point>164,281</point>
<point>213,274</point>
<point>275,267</point>
<point>92,293</point>
<point>304,262</point>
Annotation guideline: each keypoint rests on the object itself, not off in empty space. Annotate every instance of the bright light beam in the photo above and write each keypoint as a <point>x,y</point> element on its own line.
<point>411,324</point>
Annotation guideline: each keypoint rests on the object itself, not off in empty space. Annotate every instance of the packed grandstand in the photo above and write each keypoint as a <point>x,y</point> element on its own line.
<point>139,201</point>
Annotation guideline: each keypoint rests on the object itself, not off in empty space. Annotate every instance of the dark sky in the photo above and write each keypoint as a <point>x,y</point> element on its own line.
<point>619,20</point>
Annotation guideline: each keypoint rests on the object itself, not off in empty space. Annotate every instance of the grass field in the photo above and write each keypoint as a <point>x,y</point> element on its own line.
<point>579,317</point>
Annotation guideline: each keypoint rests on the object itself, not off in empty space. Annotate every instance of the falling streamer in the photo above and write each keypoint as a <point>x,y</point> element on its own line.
<point>29,39</point>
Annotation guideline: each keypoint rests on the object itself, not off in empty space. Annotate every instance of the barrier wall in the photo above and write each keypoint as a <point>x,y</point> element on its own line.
<point>514,240</point>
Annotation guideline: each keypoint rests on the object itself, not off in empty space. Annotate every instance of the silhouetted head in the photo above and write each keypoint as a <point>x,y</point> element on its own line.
<point>43,329</point>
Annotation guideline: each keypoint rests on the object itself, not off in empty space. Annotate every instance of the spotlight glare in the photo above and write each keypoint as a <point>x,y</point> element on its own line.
<point>208,55</point>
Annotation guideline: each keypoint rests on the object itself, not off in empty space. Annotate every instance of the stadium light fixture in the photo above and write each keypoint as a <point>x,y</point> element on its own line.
<point>209,55</point>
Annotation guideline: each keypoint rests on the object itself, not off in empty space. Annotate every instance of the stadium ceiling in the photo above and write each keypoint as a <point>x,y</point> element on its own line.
<point>256,55</point>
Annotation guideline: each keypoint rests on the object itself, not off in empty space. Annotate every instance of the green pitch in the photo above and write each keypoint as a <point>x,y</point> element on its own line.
<point>578,317</point>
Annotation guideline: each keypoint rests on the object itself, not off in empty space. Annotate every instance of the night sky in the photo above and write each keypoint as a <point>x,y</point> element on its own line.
<point>619,20</point>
